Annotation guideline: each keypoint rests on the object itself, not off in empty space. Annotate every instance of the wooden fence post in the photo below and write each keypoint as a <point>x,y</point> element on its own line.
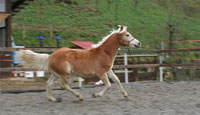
<point>58,41</point>
<point>51,32</point>
<point>41,40</point>
<point>24,34</point>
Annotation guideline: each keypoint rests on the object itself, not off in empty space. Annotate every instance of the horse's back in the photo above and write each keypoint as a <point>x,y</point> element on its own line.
<point>66,60</point>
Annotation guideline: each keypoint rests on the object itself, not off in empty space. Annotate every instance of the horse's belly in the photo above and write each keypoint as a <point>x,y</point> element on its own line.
<point>84,73</point>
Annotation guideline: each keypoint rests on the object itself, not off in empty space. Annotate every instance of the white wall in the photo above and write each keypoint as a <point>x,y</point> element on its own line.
<point>2,5</point>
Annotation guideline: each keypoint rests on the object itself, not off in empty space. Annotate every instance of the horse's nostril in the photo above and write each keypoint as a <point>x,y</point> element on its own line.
<point>139,44</point>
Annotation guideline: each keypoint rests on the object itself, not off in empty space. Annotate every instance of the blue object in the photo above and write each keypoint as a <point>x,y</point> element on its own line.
<point>57,37</point>
<point>14,53</point>
<point>41,37</point>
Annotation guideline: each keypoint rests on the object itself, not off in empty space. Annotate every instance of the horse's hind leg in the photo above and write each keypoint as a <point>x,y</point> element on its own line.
<point>67,87</point>
<point>106,81</point>
<point>50,84</point>
<point>112,75</point>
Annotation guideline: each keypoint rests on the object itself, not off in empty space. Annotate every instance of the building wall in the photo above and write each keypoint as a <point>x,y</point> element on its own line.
<point>2,37</point>
<point>3,42</point>
<point>2,9</point>
<point>3,24</point>
<point>2,6</point>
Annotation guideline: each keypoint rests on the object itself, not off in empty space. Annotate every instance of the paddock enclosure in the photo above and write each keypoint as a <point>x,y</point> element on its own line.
<point>162,78</point>
<point>145,98</point>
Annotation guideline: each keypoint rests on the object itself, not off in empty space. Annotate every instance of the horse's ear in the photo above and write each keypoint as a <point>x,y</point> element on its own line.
<point>121,27</point>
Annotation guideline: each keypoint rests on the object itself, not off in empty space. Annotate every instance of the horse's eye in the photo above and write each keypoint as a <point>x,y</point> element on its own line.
<point>127,35</point>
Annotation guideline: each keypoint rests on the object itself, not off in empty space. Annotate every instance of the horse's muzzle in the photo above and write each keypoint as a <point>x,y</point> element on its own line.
<point>137,45</point>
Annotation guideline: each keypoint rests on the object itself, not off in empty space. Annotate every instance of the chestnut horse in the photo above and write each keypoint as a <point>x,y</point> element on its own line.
<point>95,62</point>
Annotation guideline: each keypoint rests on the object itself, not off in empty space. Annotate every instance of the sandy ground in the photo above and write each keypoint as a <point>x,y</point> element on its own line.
<point>145,98</point>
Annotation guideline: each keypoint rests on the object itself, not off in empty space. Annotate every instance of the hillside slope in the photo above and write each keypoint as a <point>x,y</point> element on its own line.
<point>147,20</point>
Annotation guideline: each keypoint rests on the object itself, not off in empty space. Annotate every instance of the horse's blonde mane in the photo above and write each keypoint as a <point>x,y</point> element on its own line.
<point>119,31</point>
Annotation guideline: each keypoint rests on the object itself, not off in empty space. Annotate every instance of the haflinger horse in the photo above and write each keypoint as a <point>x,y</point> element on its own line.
<point>97,61</point>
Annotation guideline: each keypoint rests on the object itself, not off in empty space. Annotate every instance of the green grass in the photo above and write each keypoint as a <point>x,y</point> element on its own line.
<point>147,22</point>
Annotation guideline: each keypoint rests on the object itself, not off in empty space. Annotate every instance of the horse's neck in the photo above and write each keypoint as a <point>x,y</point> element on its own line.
<point>110,46</point>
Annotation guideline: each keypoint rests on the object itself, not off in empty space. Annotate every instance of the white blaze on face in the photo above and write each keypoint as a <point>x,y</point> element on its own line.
<point>133,42</point>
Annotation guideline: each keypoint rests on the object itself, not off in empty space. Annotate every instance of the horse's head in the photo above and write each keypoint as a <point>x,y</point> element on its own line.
<point>126,39</point>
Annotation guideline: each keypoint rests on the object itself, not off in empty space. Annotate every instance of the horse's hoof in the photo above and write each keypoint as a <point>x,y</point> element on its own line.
<point>52,99</point>
<point>80,97</point>
<point>94,95</point>
<point>126,96</point>
<point>58,99</point>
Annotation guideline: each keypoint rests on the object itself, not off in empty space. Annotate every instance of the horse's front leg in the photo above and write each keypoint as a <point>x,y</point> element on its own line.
<point>106,81</point>
<point>112,75</point>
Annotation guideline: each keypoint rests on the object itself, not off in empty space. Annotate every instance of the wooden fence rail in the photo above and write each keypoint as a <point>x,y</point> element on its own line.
<point>33,49</point>
<point>120,51</point>
<point>114,67</point>
<point>10,69</point>
<point>50,28</point>
<point>159,65</point>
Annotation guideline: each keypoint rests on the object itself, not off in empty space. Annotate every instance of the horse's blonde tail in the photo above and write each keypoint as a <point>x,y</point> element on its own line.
<point>31,59</point>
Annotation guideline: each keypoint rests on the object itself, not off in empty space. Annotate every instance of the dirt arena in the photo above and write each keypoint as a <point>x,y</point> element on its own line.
<point>145,98</point>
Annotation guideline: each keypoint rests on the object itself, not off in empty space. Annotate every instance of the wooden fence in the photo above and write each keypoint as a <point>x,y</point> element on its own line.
<point>48,28</point>
<point>159,64</point>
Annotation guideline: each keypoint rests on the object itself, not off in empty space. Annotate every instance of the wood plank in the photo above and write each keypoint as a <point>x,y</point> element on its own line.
<point>48,28</point>
<point>157,65</point>
<point>117,66</point>
<point>177,50</point>
<point>136,66</point>
<point>181,65</point>
<point>136,51</point>
<point>16,69</point>
<point>33,49</point>
<point>159,51</point>
<point>53,49</point>
<point>3,16</point>
<point>142,55</point>
<point>58,30</point>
